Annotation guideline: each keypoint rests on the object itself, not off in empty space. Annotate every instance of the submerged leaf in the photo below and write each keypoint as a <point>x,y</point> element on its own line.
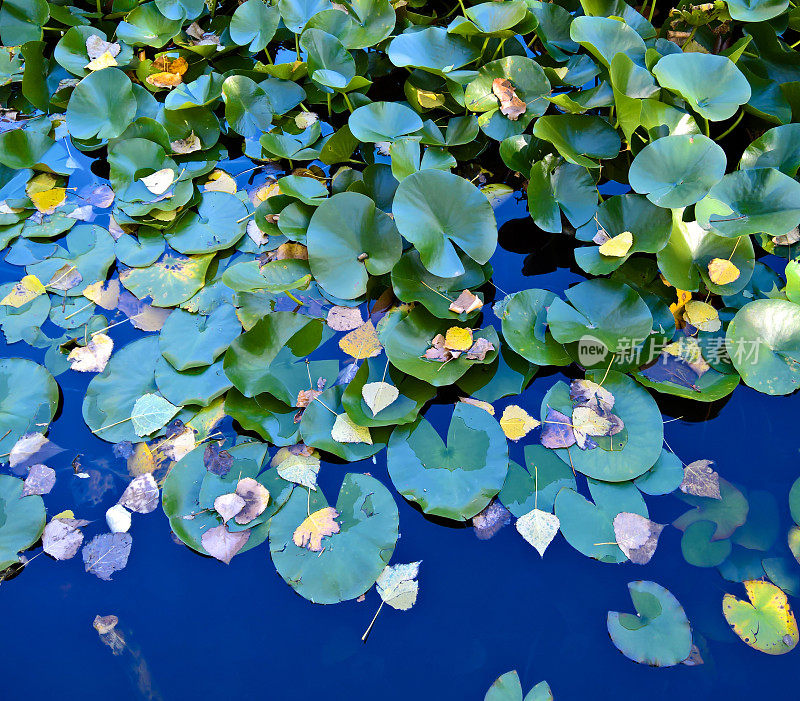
<point>491,520</point>
<point>107,553</point>
<point>216,460</point>
<point>141,495</point>
<point>40,480</point>
<point>62,537</point>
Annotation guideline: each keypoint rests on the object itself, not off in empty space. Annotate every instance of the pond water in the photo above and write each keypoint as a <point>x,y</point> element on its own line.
<point>196,628</point>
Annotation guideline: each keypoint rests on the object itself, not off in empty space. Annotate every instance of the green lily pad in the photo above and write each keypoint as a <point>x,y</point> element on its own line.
<point>101,106</point>
<point>195,340</point>
<point>383,121</point>
<point>353,557</point>
<point>659,634</point>
<point>536,485</point>
<point>455,480</point>
<point>580,138</point>
<point>348,240</point>
<point>437,211</point>
<point>219,223</point>
<point>170,281</point>
<point>22,520</point>
<point>28,400</point>
<point>432,49</point>
<point>525,328</point>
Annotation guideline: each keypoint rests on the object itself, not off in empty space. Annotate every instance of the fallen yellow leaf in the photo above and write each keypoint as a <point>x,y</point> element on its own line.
<point>458,338</point>
<point>516,422</point>
<point>26,290</point>
<point>722,272</point>
<point>48,201</point>
<point>361,342</point>
<point>617,246</point>
<point>220,181</point>
<point>312,530</point>
<point>702,316</point>
<point>104,60</point>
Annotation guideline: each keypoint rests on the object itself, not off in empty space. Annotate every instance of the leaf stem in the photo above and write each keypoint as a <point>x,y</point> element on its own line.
<point>374,618</point>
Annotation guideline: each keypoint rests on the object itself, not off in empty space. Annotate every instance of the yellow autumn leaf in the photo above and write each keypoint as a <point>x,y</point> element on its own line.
<point>315,527</point>
<point>160,181</point>
<point>142,461</point>
<point>677,307</point>
<point>516,422</point>
<point>68,513</point>
<point>702,316</point>
<point>48,201</point>
<point>345,430</point>
<point>264,193</point>
<point>458,338</point>
<point>104,60</point>
<point>588,421</point>
<point>722,272</point>
<point>26,290</point>
<point>164,80</point>
<point>220,181</point>
<point>362,342</point>
<point>617,246</point>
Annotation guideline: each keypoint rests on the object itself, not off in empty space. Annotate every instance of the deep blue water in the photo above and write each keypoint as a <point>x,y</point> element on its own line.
<point>196,628</point>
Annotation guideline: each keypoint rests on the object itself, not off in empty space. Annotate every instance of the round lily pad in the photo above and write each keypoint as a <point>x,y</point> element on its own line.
<point>196,340</point>
<point>383,121</point>
<point>525,328</point>
<point>658,634</point>
<point>28,402</point>
<point>22,520</point>
<point>351,558</point>
<point>765,622</point>
<point>458,479</point>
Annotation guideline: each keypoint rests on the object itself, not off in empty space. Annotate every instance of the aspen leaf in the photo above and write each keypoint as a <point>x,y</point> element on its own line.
<point>361,342</point>
<point>228,505</point>
<point>636,536</point>
<point>223,545</point>
<point>397,585</point>
<point>103,295</point>
<point>617,246</point>
<point>220,181</point>
<point>164,80</point>
<point>588,421</point>
<point>150,413</point>
<point>538,528</point>
<point>160,181</point>
<point>97,46</point>
<point>312,530</point>
<point>92,357</point>
<point>486,406</point>
<point>702,316</point>
<point>678,307</point>
<point>516,422</point>
<point>479,349</point>
<point>300,469</point>
<point>722,272</point>
<point>40,480</point>
<point>26,290</point>
<point>466,303</point>
<point>458,339</point>
<point>48,201</point>
<point>65,278</point>
<point>346,431</point>
<point>256,498</point>
<point>188,145</point>
<point>379,395</point>
<point>104,60</point>
<point>344,318</point>
<point>700,480</point>
<point>141,495</point>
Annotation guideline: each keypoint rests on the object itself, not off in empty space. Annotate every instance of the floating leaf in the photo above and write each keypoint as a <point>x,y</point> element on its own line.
<point>538,528</point>
<point>700,480</point>
<point>345,430</point>
<point>379,395</point>
<point>458,339</point>
<point>557,430</point>
<point>344,318</point>
<point>702,316</point>
<point>141,495</point>
<point>510,105</point>
<point>312,530</point>
<point>300,469</point>
<point>722,272</point>
<point>94,356</point>
<point>765,622</point>
<point>516,422</point>
<point>228,505</point>
<point>362,342</point>
<point>223,545</point>
<point>491,520</point>
<point>617,246</point>
<point>256,498</point>
<point>40,480</point>
<point>637,536</point>
<point>150,413</point>
<point>397,585</point>
<point>62,537</point>
<point>160,181</point>
<point>27,289</point>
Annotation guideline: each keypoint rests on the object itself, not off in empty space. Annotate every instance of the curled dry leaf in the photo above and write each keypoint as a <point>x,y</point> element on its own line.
<point>491,520</point>
<point>344,318</point>
<point>315,527</point>
<point>538,528</point>
<point>700,480</point>
<point>510,105</point>
<point>397,585</point>
<point>466,303</point>
<point>40,480</point>
<point>141,495</point>
<point>345,430</point>
<point>516,422</point>
<point>636,536</point>
<point>94,356</point>
<point>255,496</point>
<point>488,408</point>
<point>223,545</point>
<point>107,553</point>
<point>118,519</point>
<point>228,505</point>
<point>479,349</point>
<point>258,237</point>
<point>188,145</point>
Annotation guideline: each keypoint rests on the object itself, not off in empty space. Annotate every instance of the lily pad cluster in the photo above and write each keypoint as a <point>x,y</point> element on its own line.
<point>293,205</point>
